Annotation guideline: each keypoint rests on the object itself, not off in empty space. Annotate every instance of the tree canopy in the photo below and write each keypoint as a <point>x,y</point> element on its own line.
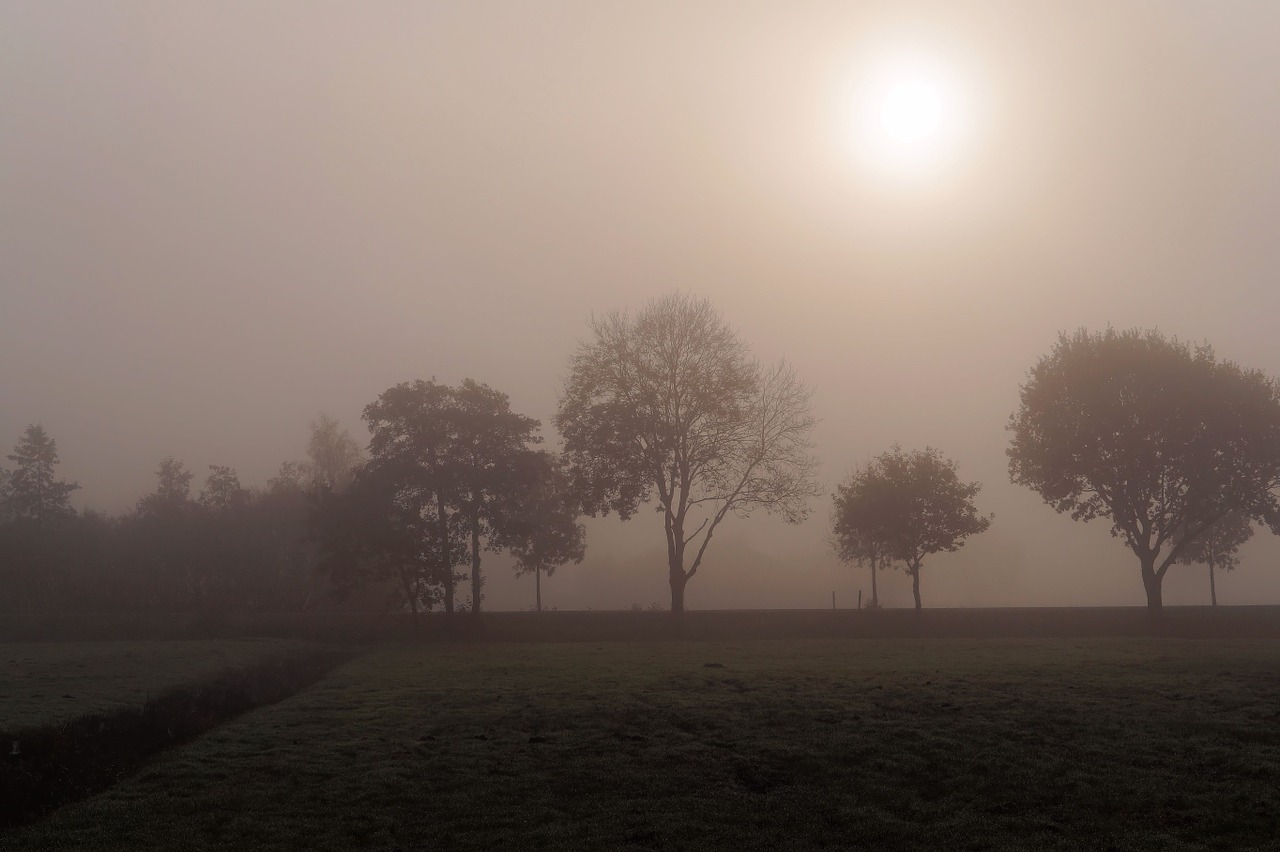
<point>905,506</point>
<point>1155,435</point>
<point>1218,547</point>
<point>459,454</point>
<point>32,491</point>
<point>670,405</point>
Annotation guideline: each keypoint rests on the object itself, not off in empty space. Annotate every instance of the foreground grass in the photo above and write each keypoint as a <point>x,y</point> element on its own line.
<point>47,682</point>
<point>886,744</point>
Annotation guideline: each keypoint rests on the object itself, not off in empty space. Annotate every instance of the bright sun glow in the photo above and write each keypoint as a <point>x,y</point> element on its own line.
<point>911,112</point>
<point>909,116</point>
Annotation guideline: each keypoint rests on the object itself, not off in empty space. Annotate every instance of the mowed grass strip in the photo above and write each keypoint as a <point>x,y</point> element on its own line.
<point>887,744</point>
<point>46,682</point>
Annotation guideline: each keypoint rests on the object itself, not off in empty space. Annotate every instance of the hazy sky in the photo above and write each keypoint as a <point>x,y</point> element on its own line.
<point>218,219</point>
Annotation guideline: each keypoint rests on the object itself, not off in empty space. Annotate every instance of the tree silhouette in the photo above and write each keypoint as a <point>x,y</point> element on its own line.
<point>334,456</point>
<point>222,490</point>
<point>542,530</point>
<point>173,489</point>
<point>461,450</point>
<point>906,506</point>
<point>33,492</point>
<point>1216,547</point>
<point>670,405</point>
<point>855,547</point>
<point>380,529</point>
<point>1158,437</point>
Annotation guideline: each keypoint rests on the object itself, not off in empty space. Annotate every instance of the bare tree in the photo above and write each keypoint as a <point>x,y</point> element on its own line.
<point>671,405</point>
<point>334,455</point>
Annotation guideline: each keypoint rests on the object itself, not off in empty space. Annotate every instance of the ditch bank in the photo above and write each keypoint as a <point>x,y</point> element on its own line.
<point>45,767</point>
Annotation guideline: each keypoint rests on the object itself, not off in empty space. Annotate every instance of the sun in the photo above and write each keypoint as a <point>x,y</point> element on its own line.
<point>909,116</point>
<point>911,112</point>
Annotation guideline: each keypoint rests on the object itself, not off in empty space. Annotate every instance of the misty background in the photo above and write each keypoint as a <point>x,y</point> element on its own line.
<point>218,220</point>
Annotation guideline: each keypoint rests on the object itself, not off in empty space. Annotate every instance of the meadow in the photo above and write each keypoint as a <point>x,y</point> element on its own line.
<point>44,682</point>
<point>935,742</point>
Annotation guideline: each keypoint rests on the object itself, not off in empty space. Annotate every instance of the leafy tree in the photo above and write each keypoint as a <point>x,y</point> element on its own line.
<point>34,494</point>
<point>458,452</point>
<point>334,455</point>
<point>222,491</point>
<point>906,506</point>
<point>854,547</point>
<point>290,478</point>
<point>6,512</point>
<point>1217,547</point>
<point>669,405</point>
<point>489,465</point>
<point>1160,438</point>
<point>173,489</point>
<point>543,531</point>
<point>377,530</point>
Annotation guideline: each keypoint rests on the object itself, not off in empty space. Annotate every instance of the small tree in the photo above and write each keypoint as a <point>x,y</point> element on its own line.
<point>334,455</point>
<point>671,406</point>
<point>543,531</point>
<point>1160,438</point>
<point>906,506</point>
<point>173,489</point>
<point>222,489</point>
<point>1217,547</point>
<point>855,548</point>
<point>33,494</point>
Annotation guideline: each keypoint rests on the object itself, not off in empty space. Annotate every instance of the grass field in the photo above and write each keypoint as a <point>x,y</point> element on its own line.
<point>50,681</point>
<point>781,744</point>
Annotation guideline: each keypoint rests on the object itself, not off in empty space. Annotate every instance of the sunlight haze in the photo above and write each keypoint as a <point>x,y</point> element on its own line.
<point>218,220</point>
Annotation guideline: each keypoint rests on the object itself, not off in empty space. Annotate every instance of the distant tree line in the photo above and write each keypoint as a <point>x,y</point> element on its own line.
<point>1178,450</point>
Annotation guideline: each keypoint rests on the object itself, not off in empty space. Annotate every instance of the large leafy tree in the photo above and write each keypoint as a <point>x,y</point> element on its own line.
<point>34,493</point>
<point>904,506</point>
<point>460,451</point>
<point>1159,437</point>
<point>670,406</point>
<point>1217,547</point>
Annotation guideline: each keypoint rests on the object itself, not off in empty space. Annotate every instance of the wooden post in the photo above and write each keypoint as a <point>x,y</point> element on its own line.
<point>833,598</point>
<point>859,598</point>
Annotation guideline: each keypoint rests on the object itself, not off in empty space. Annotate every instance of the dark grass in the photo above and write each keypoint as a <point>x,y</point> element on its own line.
<point>47,766</point>
<point>41,683</point>
<point>608,626</point>
<point>925,744</point>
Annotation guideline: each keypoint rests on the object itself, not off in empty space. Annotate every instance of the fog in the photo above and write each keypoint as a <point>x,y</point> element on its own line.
<point>217,220</point>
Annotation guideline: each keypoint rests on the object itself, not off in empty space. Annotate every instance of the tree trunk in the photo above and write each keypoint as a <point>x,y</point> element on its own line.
<point>537,586</point>
<point>915,585</point>
<point>1151,582</point>
<point>1213,592</point>
<point>446,558</point>
<point>875,599</point>
<point>678,580</point>
<point>475,566</point>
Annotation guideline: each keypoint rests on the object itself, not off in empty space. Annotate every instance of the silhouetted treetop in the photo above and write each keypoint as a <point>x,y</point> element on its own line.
<point>32,492</point>
<point>1159,437</point>
<point>670,405</point>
